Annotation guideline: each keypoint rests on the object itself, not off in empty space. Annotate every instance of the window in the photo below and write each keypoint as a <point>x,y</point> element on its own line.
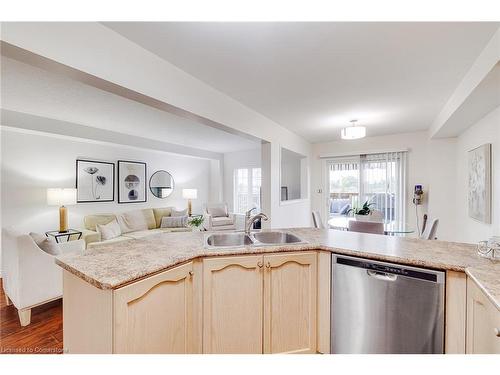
<point>247,183</point>
<point>376,178</point>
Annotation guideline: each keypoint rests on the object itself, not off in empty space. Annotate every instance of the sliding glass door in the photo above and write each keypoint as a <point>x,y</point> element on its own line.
<point>378,179</point>
<point>343,185</point>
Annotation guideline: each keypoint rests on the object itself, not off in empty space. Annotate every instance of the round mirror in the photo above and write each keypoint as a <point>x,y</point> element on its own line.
<point>161,184</point>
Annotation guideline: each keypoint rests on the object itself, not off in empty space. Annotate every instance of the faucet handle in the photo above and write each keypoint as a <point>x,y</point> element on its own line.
<point>250,211</point>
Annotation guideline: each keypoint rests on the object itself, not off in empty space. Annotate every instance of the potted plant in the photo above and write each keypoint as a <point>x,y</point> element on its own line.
<point>196,222</point>
<point>363,213</point>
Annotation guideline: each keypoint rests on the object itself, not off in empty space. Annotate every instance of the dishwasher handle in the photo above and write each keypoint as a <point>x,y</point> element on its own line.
<point>384,276</point>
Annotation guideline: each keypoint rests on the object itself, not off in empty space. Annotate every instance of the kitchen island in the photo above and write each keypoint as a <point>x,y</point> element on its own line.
<point>246,299</point>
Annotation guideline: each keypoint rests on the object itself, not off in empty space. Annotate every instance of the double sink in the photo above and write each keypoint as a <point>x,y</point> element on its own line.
<point>235,239</point>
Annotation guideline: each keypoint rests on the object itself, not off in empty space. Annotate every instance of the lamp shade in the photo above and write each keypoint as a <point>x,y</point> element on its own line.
<point>189,193</point>
<point>61,197</point>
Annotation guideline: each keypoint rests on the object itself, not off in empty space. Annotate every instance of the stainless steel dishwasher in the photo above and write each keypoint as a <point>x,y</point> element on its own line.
<point>381,307</point>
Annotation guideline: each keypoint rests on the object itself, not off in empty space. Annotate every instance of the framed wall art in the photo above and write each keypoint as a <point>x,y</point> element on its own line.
<point>95,181</point>
<point>479,193</point>
<point>131,182</point>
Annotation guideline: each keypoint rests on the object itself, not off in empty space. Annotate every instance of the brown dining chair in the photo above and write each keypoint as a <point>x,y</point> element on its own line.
<point>366,227</point>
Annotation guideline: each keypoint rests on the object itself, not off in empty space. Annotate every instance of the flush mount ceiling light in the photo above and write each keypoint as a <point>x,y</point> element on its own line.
<point>353,132</point>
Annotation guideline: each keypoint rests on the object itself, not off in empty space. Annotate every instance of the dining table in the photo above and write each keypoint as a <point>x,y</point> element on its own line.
<point>391,228</point>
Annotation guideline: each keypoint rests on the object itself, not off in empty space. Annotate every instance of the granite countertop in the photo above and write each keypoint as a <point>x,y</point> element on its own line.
<point>111,266</point>
<point>487,278</point>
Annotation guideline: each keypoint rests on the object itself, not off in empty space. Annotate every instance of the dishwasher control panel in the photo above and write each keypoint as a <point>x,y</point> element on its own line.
<point>388,268</point>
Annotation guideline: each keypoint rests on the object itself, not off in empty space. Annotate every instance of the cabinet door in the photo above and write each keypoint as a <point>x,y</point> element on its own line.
<point>290,300</point>
<point>155,315</point>
<point>232,304</point>
<point>483,322</point>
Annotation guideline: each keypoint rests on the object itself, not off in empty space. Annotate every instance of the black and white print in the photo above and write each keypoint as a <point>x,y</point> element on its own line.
<point>95,181</point>
<point>131,182</point>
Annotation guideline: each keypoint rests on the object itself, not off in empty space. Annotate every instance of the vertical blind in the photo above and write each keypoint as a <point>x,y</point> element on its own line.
<point>381,181</point>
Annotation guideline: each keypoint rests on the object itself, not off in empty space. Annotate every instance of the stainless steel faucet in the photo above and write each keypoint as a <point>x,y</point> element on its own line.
<point>249,220</point>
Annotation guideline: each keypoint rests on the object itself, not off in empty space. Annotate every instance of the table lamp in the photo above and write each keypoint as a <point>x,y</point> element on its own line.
<point>189,194</point>
<point>62,198</point>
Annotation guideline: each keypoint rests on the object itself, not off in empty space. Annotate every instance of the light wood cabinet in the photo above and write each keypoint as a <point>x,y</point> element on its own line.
<point>233,304</point>
<point>290,289</point>
<point>260,304</point>
<point>455,312</point>
<point>483,322</point>
<point>156,315</point>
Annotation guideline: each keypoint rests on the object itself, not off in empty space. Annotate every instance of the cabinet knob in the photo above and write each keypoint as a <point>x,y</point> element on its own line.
<point>497,332</point>
<point>191,273</point>
<point>260,264</point>
<point>268,265</point>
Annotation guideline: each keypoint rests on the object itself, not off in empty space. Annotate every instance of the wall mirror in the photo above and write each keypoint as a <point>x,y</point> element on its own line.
<point>293,175</point>
<point>161,184</point>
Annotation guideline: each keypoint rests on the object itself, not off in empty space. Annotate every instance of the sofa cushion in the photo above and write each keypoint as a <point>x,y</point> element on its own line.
<point>109,231</point>
<point>161,212</point>
<point>47,244</point>
<point>174,221</point>
<point>219,221</point>
<point>176,213</point>
<point>90,221</point>
<point>132,221</point>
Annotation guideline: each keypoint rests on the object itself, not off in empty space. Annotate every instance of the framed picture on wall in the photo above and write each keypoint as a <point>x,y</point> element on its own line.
<point>95,181</point>
<point>131,182</point>
<point>479,194</point>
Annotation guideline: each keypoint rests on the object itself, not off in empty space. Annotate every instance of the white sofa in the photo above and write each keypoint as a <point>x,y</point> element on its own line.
<point>30,275</point>
<point>134,224</point>
<point>217,217</point>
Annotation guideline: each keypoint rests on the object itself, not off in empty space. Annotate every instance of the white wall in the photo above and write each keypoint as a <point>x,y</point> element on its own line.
<point>486,130</point>
<point>33,162</point>
<point>288,214</point>
<point>235,160</point>
<point>430,163</point>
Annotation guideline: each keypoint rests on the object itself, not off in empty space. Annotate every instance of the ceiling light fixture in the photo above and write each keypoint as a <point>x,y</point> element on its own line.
<point>353,132</point>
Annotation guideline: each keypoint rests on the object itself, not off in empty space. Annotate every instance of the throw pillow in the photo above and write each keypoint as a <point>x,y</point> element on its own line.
<point>109,231</point>
<point>47,244</point>
<point>176,213</point>
<point>174,221</point>
<point>217,211</point>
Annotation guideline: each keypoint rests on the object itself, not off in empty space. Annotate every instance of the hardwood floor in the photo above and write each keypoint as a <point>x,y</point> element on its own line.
<point>44,335</point>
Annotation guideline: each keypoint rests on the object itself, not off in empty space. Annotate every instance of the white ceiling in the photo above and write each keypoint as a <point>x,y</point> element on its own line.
<point>314,77</point>
<point>31,90</point>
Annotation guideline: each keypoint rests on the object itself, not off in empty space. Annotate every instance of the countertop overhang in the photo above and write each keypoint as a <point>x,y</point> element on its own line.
<point>114,265</point>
